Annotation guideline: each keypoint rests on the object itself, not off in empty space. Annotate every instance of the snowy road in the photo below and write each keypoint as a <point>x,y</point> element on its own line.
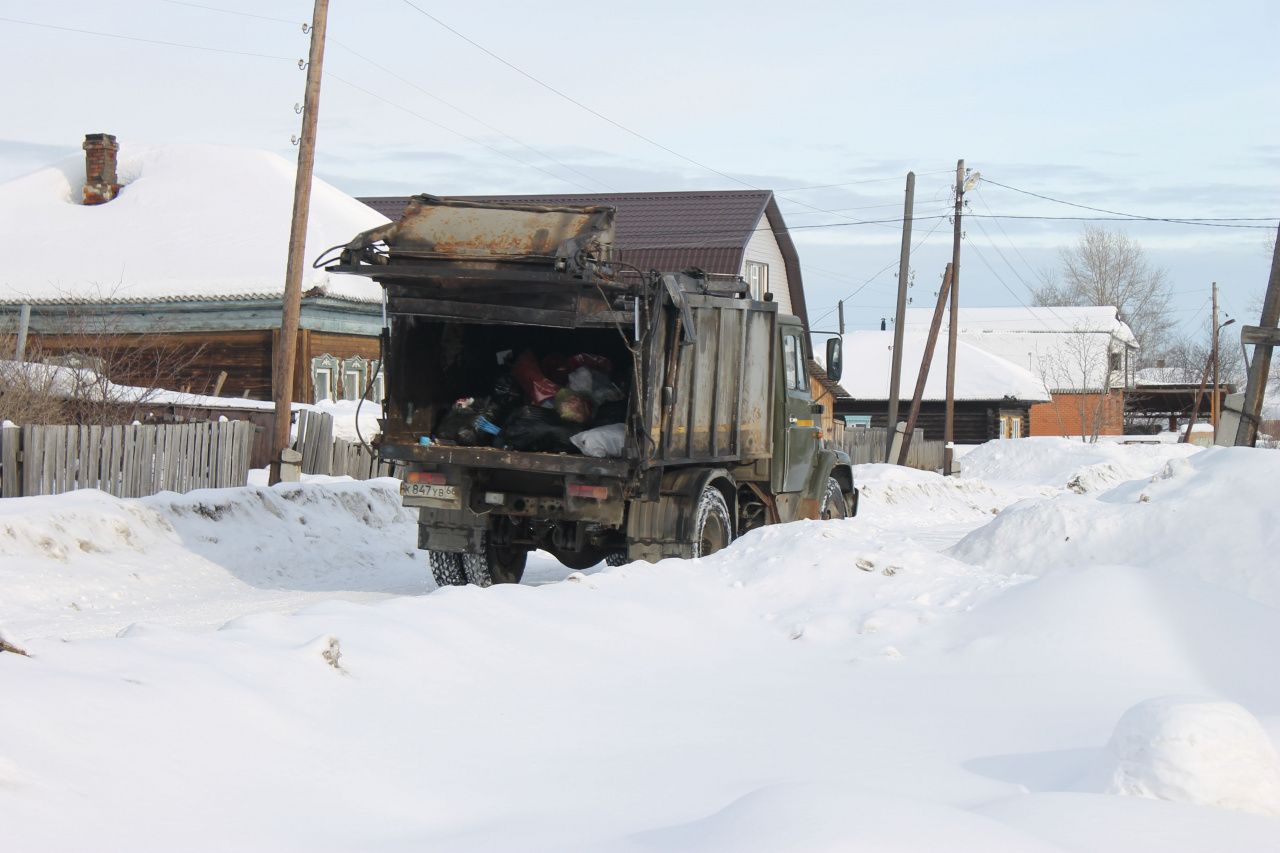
<point>1082,670</point>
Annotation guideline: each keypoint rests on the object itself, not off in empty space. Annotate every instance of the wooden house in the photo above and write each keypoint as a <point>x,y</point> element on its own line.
<point>1083,354</point>
<point>993,397</point>
<point>165,266</point>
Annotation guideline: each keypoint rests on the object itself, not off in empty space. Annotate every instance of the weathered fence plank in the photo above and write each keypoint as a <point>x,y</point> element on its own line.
<point>126,461</point>
<point>10,443</point>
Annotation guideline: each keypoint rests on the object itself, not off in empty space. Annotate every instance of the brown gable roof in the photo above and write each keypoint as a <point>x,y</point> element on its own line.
<point>671,231</point>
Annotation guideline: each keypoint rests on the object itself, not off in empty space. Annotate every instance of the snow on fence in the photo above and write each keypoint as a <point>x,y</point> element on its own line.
<point>125,461</point>
<point>324,454</point>
<point>867,444</point>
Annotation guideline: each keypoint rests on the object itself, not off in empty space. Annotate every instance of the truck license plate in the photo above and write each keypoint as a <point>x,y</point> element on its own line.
<point>427,490</point>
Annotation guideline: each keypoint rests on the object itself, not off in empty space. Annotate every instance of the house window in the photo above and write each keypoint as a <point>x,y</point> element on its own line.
<point>376,392</point>
<point>863,421</point>
<point>757,275</point>
<point>1010,425</point>
<point>1115,361</point>
<point>324,377</point>
<point>354,373</point>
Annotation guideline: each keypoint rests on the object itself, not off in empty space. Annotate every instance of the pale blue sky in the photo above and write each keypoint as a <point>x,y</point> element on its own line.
<point>1161,109</point>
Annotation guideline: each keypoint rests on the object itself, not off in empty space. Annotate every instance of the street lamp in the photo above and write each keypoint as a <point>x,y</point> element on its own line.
<point>1215,408</point>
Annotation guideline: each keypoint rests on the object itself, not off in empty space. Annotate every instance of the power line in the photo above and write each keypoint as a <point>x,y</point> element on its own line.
<point>982,198</point>
<point>852,183</point>
<point>402,79</point>
<point>1197,220</point>
<point>147,40</point>
<point>235,12</point>
<point>637,134</point>
<point>459,133</point>
<point>474,118</point>
<point>1206,222</point>
<point>938,221</point>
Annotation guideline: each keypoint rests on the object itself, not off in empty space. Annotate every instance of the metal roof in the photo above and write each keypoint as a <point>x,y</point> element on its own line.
<point>671,231</point>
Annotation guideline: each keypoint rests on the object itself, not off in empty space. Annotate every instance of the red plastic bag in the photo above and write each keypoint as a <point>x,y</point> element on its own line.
<point>536,386</point>
<point>586,359</point>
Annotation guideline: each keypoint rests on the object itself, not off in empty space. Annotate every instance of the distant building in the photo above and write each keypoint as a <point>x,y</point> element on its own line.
<point>1084,355</point>
<point>993,396</point>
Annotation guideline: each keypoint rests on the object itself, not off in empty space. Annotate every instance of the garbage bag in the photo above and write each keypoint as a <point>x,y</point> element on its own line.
<point>594,383</point>
<point>467,423</point>
<point>537,387</point>
<point>602,441</point>
<point>533,428</point>
<point>596,362</point>
<point>572,407</point>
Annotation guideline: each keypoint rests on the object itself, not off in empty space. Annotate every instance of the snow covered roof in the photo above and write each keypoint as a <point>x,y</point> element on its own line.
<point>204,222</point>
<point>980,375</point>
<point>1056,318</point>
<point>1067,346</point>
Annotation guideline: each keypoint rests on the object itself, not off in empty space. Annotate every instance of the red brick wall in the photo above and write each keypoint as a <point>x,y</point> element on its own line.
<point>1062,415</point>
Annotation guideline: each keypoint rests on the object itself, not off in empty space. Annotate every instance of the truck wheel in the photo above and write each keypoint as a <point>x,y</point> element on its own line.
<point>712,527</point>
<point>495,565</point>
<point>833,503</point>
<point>446,568</point>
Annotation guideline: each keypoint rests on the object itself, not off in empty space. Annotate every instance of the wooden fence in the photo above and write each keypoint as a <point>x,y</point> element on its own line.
<point>324,454</point>
<point>126,461</point>
<point>867,444</point>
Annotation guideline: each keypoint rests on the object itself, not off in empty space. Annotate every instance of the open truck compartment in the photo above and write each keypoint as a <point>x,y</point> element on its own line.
<point>525,388</point>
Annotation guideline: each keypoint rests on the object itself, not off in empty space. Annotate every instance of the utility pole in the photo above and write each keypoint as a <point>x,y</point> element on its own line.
<point>926,360</point>
<point>904,261</point>
<point>1213,403</point>
<point>24,323</point>
<point>1260,367</point>
<point>286,350</point>
<point>949,428</point>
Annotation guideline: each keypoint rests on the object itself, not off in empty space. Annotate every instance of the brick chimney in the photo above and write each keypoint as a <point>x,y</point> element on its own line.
<point>100,182</point>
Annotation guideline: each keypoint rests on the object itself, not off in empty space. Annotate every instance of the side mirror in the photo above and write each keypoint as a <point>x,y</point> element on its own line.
<point>835,358</point>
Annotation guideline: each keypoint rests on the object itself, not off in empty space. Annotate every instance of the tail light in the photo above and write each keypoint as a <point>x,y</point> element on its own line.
<point>595,493</point>
<point>434,478</point>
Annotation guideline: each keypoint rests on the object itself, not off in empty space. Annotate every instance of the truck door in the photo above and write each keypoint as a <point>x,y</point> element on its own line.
<point>800,435</point>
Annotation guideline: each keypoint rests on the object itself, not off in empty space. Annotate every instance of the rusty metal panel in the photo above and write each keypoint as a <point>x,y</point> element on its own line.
<point>755,420</point>
<point>438,228</point>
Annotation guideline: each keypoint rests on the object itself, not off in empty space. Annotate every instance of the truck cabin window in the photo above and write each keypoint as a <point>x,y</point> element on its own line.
<point>793,363</point>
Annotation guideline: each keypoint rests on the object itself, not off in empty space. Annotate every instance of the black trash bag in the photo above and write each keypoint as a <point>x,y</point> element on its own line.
<point>539,430</point>
<point>469,423</point>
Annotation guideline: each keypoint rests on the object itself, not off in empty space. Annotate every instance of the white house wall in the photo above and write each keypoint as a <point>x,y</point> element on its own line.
<point>763,248</point>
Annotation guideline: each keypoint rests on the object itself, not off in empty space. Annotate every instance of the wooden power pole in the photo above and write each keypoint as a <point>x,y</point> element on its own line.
<point>286,349</point>
<point>1214,402</point>
<point>904,262</point>
<point>926,360</point>
<point>1260,366</point>
<point>949,427</point>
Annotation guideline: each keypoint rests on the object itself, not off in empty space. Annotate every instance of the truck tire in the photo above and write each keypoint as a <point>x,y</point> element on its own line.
<point>446,568</point>
<point>712,526</point>
<point>833,502</point>
<point>495,565</point>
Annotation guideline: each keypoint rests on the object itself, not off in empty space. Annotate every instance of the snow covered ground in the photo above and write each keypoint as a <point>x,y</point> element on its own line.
<point>1069,647</point>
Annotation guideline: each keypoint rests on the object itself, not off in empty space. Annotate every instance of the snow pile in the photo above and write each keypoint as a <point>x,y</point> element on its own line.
<point>1083,467</point>
<point>1194,518</point>
<point>86,563</point>
<point>1195,751</point>
<point>202,221</point>
<point>816,686</point>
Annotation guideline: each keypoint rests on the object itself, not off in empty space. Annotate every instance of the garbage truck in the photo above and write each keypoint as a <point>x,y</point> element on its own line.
<point>542,394</point>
